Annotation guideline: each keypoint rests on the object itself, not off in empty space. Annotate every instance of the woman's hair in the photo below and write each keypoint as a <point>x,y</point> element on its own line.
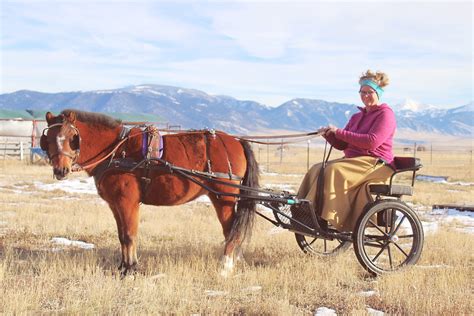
<point>380,78</point>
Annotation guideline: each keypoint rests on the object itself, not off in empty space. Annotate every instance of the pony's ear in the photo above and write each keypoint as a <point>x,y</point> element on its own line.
<point>71,117</point>
<point>49,118</point>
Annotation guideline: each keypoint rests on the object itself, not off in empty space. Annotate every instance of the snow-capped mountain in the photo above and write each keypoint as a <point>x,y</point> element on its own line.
<point>196,109</point>
<point>428,118</point>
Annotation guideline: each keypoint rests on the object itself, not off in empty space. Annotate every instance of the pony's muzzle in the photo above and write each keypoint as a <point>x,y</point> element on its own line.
<point>61,173</point>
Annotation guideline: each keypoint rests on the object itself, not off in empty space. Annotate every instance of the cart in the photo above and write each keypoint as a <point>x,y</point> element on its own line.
<point>387,236</point>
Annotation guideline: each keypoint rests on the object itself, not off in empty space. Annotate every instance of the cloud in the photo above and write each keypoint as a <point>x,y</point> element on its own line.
<point>266,51</point>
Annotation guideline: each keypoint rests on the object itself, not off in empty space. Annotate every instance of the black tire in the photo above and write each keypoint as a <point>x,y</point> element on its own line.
<point>388,236</point>
<point>320,246</point>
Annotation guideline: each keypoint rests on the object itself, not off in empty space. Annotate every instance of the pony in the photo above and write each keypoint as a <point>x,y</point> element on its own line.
<point>92,142</point>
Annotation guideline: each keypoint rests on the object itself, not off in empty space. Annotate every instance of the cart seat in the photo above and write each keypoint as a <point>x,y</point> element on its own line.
<point>395,190</point>
<point>401,164</point>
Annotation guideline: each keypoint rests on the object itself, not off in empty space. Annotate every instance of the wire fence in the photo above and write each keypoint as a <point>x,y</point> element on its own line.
<point>299,158</point>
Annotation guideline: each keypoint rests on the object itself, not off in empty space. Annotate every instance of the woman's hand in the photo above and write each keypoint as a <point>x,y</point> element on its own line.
<point>328,130</point>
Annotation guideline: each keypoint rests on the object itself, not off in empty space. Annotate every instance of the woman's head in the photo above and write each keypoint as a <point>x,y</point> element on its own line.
<point>371,87</point>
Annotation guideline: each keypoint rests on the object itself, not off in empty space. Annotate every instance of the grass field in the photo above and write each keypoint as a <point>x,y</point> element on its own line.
<point>180,247</point>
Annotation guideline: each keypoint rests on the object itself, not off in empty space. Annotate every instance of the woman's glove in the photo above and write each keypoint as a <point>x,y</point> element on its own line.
<point>327,130</point>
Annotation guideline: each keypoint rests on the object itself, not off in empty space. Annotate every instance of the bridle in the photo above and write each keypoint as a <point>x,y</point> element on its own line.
<point>75,143</point>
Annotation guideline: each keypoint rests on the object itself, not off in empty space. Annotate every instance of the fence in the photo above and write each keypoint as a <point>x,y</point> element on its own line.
<point>298,158</point>
<point>15,148</point>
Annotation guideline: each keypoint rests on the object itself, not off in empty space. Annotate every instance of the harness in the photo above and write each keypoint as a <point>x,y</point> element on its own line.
<point>152,149</point>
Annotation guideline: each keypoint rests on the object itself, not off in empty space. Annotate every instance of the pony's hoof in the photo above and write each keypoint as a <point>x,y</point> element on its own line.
<point>225,273</point>
<point>227,266</point>
<point>130,271</point>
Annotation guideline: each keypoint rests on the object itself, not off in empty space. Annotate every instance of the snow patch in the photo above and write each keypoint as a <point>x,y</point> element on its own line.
<point>435,179</point>
<point>430,227</point>
<point>72,243</point>
<point>374,312</point>
<point>156,93</point>
<point>466,219</point>
<point>77,185</point>
<point>158,276</point>
<point>274,174</point>
<point>441,179</point>
<point>368,293</point>
<point>202,199</point>
<point>435,266</point>
<point>263,209</point>
<point>325,311</point>
<point>415,106</point>
<point>281,187</point>
<point>214,293</point>
<point>252,289</point>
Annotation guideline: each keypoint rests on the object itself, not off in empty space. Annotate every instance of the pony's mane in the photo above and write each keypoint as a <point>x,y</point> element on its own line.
<point>94,118</point>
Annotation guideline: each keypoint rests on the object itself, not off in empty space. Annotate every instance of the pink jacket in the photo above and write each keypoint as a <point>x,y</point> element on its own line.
<point>367,134</point>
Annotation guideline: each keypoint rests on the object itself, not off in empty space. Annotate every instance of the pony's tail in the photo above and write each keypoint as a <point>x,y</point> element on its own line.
<point>246,208</point>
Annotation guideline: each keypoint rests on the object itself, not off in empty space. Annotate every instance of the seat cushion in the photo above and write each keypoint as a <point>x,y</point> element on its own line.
<point>384,189</point>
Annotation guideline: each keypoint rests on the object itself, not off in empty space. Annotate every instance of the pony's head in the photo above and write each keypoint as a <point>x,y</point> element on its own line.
<point>61,141</point>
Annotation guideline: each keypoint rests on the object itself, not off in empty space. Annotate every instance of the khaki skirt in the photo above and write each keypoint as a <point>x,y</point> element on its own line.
<point>346,188</point>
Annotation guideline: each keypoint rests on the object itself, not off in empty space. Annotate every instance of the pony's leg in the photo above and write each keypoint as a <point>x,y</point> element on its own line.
<point>225,209</point>
<point>118,221</point>
<point>126,215</point>
<point>130,232</point>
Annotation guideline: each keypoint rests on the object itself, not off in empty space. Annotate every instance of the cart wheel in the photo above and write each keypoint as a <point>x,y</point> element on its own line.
<point>321,246</point>
<point>388,236</point>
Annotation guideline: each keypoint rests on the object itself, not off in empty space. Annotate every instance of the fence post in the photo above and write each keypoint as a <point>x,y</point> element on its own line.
<point>268,157</point>
<point>21,151</point>
<point>414,150</point>
<point>431,154</point>
<point>33,133</point>
<point>281,151</point>
<point>307,154</point>
<point>259,161</point>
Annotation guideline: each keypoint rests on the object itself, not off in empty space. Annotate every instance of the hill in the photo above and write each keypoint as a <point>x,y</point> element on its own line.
<point>196,109</point>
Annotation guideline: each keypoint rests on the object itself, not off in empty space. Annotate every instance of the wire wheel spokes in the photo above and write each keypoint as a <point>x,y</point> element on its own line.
<point>378,244</point>
<point>321,246</point>
<point>389,235</point>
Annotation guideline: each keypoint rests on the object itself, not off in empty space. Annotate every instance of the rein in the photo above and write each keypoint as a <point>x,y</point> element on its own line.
<point>112,152</point>
<point>254,138</point>
<point>305,136</point>
<point>249,138</point>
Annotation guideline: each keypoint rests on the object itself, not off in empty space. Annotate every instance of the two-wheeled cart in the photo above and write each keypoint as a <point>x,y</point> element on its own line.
<point>388,235</point>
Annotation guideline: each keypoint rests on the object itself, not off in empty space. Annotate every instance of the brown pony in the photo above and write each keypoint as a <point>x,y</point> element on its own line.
<point>91,140</point>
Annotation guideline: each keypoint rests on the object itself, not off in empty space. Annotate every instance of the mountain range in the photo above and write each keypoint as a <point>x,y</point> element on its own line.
<point>191,108</point>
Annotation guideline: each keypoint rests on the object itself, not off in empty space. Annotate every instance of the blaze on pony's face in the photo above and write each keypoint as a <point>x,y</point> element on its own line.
<point>61,141</point>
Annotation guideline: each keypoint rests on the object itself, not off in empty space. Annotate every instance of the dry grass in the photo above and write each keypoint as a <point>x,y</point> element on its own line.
<point>179,252</point>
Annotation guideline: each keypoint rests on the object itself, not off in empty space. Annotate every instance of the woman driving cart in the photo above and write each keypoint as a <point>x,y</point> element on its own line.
<point>367,144</point>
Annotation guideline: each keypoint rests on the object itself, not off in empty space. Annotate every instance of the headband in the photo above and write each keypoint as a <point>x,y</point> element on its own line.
<point>373,85</point>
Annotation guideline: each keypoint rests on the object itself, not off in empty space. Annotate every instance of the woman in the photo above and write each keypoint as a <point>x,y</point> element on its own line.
<point>367,144</point>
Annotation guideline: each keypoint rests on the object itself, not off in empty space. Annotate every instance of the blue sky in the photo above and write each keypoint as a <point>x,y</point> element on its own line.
<point>266,51</point>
